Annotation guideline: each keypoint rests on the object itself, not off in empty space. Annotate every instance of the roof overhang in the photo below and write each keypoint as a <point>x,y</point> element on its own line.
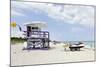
<point>36,24</point>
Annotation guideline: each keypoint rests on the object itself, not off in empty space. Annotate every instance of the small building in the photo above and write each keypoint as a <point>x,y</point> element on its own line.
<point>35,36</point>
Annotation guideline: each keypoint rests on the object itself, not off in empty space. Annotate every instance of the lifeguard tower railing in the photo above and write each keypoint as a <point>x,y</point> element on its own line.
<point>38,36</point>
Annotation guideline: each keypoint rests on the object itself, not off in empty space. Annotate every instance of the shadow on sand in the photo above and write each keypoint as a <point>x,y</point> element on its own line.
<point>37,48</point>
<point>71,51</point>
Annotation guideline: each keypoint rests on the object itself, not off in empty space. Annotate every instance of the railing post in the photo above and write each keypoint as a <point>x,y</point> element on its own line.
<point>48,40</point>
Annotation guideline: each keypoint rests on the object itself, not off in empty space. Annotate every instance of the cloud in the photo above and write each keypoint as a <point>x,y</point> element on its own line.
<point>73,14</point>
<point>16,9</point>
<point>16,13</point>
<point>83,15</point>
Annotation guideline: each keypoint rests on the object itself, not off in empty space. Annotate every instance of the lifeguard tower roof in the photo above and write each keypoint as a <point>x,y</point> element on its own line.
<point>36,24</point>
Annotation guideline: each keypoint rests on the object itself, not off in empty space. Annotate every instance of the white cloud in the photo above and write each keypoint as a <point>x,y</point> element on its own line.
<point>73,14</point>
<point>15,13</point>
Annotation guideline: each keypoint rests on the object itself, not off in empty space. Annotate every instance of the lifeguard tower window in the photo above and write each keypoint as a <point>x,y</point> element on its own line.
<point>36,29</point>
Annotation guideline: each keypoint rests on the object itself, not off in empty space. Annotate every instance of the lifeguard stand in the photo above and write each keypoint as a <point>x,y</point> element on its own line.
<point>35,37</point>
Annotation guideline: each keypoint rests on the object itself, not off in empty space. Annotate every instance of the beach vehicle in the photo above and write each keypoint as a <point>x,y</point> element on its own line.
<point>76,47</point>
<point>36,38</point>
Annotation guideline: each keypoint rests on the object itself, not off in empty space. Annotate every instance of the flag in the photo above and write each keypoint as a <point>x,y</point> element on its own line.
<point>13,24</point>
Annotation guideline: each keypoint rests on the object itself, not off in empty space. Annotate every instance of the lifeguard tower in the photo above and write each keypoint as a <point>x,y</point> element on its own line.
<point>36,38</point>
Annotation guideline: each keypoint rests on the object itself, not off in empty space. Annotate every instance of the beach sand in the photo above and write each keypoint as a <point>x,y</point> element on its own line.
<point>55,54</point>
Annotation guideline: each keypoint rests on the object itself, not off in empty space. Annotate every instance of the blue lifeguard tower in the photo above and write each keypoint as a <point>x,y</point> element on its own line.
<point>36,38</point>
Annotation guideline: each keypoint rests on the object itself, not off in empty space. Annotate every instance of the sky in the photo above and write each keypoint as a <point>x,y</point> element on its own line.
<point>64,22</point>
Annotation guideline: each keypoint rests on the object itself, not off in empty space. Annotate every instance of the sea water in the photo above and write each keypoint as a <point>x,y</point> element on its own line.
<point>89,44</point>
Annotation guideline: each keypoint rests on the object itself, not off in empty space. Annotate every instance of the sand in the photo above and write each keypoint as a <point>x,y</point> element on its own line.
<point>55,54</point>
